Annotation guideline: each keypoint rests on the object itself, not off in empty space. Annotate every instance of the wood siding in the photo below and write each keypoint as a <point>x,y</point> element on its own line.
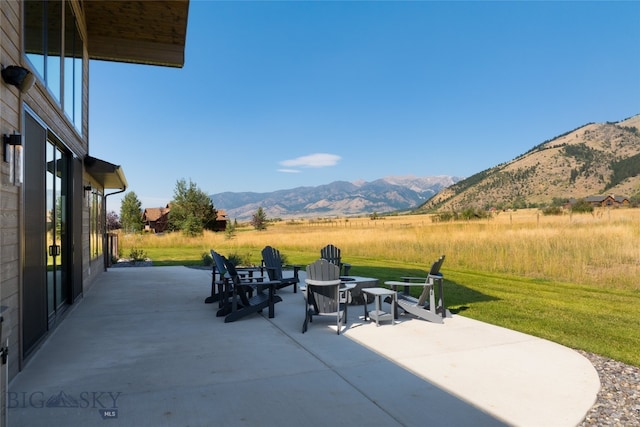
<point>47,109</point>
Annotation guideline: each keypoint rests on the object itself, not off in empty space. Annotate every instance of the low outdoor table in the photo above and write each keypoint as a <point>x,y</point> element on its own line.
<point>377,314</point>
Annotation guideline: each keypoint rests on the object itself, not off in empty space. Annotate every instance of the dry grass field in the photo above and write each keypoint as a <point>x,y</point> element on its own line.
<point>574,279</point>
<point>600,250</point>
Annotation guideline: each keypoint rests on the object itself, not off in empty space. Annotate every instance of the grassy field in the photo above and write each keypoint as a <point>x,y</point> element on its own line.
<point>572,279</point>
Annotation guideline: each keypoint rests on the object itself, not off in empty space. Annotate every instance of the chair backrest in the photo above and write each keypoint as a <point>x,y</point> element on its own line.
<point>331,254</point>
<point>229,274</point>
<point>218,261</point>
<point>323,280</point>
<point>435,268</point>
<point>323,270</point>
<point>273,262</point>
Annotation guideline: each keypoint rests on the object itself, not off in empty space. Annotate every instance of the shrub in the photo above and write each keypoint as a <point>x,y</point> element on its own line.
<point>283,259</point>
<point>207,260</point>
<point>443,217</point>
<point>471,213</point>
<point>582,206</point>
<point>237,259</point>
<point>137,255</point>
<point>552,210</point>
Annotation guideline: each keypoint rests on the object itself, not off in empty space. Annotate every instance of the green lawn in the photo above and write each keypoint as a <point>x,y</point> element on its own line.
<point>602,321</point>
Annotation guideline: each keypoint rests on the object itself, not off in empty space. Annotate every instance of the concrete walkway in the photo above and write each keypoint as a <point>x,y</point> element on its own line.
<point>142,349</point>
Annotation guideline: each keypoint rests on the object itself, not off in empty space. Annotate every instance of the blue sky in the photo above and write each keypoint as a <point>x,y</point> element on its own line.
<point>277,95</point>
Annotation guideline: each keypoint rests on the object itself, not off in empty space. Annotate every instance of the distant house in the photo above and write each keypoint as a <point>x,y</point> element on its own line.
<point>156,220</point>
<point>221,221</point>
<point>608,201</point>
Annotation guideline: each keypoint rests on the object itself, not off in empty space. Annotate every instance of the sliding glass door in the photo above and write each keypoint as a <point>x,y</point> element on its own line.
<point>57,185</point>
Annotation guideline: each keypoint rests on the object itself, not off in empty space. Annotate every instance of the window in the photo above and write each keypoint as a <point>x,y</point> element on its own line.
<point>53,47</point>
<point>73,50</point>
<point>55,50</point>
<point>95,223</point>
<point>34,38</point>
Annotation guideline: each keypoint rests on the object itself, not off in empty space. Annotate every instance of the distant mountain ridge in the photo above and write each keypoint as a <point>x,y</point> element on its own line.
<point>594,159</point>
<point>339,198</point>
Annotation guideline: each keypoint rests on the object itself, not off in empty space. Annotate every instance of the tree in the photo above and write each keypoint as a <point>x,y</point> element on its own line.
<point>113,221</point>
<point>131,213</point>
<point>259,219</point>
<point>230,230</point>
<point>192,210</point>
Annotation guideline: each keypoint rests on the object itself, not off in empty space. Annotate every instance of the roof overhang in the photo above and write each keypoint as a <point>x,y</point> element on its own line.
<point>140,32</point>
<point>106,174</point>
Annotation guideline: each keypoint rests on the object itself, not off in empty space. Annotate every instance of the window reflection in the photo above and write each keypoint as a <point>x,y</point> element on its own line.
<point>34,13</point>
<point>43,39</point>
<point>73,50</point>
<point>54,47</point>
<point>96,223</point>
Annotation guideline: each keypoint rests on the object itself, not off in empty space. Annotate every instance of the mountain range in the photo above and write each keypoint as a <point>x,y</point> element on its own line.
<point>339,198</point>
<point>593,159</point>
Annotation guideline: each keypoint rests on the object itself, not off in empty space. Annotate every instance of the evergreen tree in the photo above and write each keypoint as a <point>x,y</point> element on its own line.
<point>259,219</point>
<point>192,210</point>
<point>131,213</point>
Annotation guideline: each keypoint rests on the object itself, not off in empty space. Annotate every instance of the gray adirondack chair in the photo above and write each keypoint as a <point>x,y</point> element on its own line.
<point>333,254</point>
<point>241,297</point>
<point>426,306</point>
<point>272,261</point>
<point>324,294</point>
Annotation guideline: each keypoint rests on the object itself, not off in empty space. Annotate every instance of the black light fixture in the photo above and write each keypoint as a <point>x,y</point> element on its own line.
<point>19,77</point>
<point>14,139</point>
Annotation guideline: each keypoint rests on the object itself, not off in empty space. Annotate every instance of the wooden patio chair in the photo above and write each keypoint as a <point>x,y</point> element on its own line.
<point>324,294</point>
<point>333,254</point>
<point>241,297</point>
<point>272,261</point>
<point>425,306</point>
<point>217,283</point>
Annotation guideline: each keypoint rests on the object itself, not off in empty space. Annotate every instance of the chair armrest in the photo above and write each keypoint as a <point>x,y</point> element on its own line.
<point>413,279</point>
<point>323,282</point>
<point>296,269</point>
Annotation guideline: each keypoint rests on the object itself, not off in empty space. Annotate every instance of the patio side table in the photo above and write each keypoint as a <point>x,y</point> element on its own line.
<point>377,314</point>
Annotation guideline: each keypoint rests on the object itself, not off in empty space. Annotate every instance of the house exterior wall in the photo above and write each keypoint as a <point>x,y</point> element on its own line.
<point>13,107</point>
<point>56,149</point>
<point>10,114</point>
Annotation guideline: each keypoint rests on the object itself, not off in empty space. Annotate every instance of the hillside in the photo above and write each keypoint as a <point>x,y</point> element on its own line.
<point>339,198</point>
<point>590,160</point>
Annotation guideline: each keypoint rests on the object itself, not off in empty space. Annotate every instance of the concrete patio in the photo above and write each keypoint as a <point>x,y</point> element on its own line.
<point>142,349</point>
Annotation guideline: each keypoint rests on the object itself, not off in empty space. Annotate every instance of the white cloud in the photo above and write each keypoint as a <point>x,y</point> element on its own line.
<point>289,170</point>
<point>317,160</point>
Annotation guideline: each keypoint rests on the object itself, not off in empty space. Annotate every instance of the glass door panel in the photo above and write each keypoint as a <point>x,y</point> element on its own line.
<point>56,212</point>
<point>50,220</point>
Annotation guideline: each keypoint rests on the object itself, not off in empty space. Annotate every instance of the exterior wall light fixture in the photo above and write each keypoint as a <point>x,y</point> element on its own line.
<point>19,77</point>
<point>11,141</point>
<point>12,152</point>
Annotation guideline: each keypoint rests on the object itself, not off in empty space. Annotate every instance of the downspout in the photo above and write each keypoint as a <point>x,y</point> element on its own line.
<point>105,236</point>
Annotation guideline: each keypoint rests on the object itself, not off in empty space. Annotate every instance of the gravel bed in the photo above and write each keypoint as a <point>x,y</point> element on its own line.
<point>618,402</point>
<point>127,263</point>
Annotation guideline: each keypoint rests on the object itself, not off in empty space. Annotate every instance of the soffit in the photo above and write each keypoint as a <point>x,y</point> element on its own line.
<point>141,32</point>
